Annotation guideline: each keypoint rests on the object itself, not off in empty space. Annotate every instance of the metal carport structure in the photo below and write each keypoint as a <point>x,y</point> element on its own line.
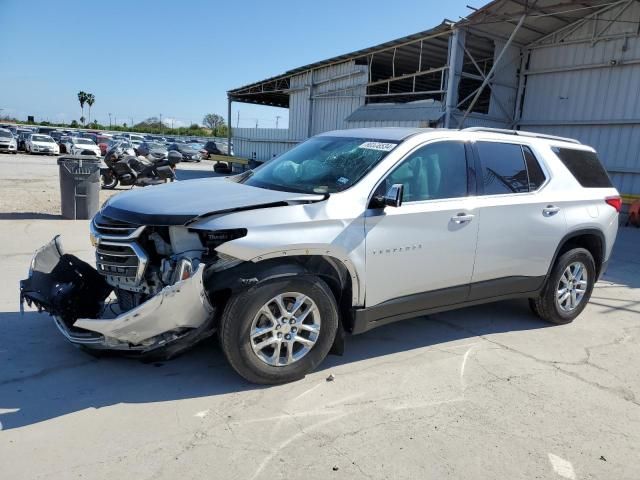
<point>501,66</point>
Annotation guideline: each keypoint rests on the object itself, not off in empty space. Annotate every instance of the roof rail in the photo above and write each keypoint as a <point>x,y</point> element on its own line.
<point>520,133</point>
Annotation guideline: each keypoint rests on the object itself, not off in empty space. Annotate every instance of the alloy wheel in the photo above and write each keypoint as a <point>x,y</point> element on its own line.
<point>572,287</point>
<point>285,329</point>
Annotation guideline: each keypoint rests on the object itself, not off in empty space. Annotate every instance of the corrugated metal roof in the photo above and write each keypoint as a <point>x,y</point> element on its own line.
<point>416,111</point>
<point>276,98</point>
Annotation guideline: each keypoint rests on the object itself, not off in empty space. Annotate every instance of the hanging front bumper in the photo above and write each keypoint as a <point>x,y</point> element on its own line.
<point>75,294</point>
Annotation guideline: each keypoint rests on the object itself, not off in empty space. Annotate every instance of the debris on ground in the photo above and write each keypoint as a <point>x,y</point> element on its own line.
<point>331,378</point>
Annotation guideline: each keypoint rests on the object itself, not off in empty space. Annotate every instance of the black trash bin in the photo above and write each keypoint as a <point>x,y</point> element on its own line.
<point>79,186</point>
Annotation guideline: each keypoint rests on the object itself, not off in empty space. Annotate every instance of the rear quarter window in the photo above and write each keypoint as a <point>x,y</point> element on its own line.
<point>585,167</point>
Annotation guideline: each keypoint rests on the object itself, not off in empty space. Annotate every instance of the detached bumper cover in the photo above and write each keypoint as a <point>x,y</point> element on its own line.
<point>179,314</point>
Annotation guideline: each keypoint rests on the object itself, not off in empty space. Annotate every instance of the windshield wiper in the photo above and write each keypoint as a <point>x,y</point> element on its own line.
<point>240,177</point>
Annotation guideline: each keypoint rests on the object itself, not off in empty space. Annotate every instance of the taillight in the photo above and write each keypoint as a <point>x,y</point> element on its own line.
<point>615,202</point>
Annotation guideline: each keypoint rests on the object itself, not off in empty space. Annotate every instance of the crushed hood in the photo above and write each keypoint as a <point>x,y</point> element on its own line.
<point>179,202</point>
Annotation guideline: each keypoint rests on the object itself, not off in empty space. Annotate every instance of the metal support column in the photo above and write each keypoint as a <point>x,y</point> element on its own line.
<point>455,59</point>
<point>521,84</point>
<point>229,125</point>
<point>310,117</point>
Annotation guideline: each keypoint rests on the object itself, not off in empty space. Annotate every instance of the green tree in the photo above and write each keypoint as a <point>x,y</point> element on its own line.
<point>91,99</point>
<point>213,121</point>
<point>82,98</point>
<point>74,123</point>
<point>82,120</point>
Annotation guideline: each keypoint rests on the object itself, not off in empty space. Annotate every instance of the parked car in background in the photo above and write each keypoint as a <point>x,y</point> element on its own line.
<point>145,148</point>
<point>39,143</point>
<point>103,143</point>
<point>132,137</point>
<point>62,143</point>
<point>56,135</point>
<point>45,130</point>
<point>22,140</point>
<point>136,143</point>
<point>214,147</point>
<point>77,145</point>
<point>91,136</point>
<point>8,143</point>
<point>189,154</point>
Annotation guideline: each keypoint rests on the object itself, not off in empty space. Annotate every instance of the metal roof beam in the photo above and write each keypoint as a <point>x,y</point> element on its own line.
<point>493,68</point>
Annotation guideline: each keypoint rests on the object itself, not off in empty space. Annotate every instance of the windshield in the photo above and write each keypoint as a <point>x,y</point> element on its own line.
<point>321,165</point>
<point>41,138</point>
<point>5,134</point>
<point>83,141</point>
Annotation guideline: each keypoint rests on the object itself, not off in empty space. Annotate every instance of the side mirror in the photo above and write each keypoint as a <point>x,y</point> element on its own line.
<point>393,198</point>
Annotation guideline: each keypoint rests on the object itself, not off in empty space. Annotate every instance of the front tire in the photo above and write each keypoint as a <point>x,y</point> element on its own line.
<point>279,330</point>
<point>568,288</point>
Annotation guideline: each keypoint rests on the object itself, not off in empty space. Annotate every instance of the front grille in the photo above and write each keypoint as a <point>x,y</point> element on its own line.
<point>117,260</point>
<point>122,261</point>
<point>113,228</point>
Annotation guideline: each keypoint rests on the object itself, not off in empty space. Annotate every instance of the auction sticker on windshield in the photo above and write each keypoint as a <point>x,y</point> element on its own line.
<point>383,147</point>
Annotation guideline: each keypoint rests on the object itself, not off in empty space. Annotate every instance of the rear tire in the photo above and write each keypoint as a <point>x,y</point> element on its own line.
<point>109,181</point>
<point>243,317</point>
<point>565,295</point>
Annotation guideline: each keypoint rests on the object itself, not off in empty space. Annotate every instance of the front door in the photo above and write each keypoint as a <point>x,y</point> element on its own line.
<point>427,245</point>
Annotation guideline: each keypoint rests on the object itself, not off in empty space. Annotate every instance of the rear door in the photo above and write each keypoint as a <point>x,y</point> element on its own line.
<point>522,221</point>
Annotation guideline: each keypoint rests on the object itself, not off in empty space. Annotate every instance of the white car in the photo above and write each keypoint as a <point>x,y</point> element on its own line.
<point>39,143</point>
<point>76,145</point>
<point>8,142</point>
<point>348,231</point>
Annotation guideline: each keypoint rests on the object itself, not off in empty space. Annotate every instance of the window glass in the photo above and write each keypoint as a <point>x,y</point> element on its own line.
<point>585,167</point>
<point>438,170</point>
<point>322,164</point>
<point>503,168</point>
<point>536,175</point>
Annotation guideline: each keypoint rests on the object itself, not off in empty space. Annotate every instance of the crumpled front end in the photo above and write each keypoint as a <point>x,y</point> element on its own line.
<point>88,313</point>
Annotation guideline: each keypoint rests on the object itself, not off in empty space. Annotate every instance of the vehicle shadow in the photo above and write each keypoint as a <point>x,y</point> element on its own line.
<point>43,377</point>
<point>29,216</point>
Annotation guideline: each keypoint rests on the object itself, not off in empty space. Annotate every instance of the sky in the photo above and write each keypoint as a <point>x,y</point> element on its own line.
<point>143,58</point>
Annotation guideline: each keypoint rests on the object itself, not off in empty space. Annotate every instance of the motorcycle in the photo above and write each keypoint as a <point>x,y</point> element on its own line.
<point>124,168</point>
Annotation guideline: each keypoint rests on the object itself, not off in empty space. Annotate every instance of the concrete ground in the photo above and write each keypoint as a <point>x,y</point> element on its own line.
<point>485,392</point>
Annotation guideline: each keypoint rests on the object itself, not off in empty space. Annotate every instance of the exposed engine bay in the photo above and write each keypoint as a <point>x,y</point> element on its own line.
<point>145,293</point>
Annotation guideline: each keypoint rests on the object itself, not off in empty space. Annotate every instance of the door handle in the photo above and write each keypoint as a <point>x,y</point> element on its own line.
<point>550,210</point>
<point>462,218</point>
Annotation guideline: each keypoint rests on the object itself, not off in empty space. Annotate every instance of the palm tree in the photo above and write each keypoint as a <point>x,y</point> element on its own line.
<point>90,101</point>
<point>82,97</point>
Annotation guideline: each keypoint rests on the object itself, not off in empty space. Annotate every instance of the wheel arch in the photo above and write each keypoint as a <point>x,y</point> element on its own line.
<point>590,239</point>
<point>221,286</point>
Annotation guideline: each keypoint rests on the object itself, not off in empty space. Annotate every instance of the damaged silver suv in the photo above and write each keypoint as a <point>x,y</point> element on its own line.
<point>347,231</point>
